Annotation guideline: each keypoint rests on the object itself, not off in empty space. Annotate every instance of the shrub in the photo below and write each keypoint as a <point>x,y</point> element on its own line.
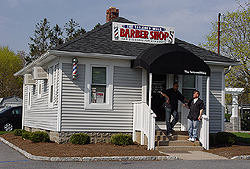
<point>211,139</point>
<point>79,138</point>
<point>225,138</point>
<point>121,139</point>
<point>39,136</point>
<point>19,132</point>
<point>26,135</point>
<point>227,116</point>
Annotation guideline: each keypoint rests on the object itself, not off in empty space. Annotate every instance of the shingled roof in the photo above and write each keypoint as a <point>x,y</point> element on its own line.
<point>99,40</point>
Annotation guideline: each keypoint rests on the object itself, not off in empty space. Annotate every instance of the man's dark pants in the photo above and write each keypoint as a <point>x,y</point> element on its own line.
<point>169,124</point>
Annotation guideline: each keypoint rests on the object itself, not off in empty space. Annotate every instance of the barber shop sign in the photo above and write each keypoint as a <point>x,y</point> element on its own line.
<point>142,33</point>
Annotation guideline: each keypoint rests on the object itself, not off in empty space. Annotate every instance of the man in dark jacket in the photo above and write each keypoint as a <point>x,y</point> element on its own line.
<point>196,107</point>
<point>172,96</point>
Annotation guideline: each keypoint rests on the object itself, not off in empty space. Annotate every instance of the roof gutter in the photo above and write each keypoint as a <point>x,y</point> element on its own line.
<point>91,55</point>
<point>236,63</point>
<point>29,67</point>
<point>228,70</point>
<point>55,53</point>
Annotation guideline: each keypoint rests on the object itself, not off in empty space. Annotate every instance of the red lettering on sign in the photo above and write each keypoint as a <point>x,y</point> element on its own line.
<point>146,34</point>
<point>166,35</point>
<point>127,33</point>
<point>141,34</point>
<point>152,34</point>
<point>161,36</point>
<point>137,33</point>
<point>122,31</point>
<point>156,35</point>
<point>132,32</point>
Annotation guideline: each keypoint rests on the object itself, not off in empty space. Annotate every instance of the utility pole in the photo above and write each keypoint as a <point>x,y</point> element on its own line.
<point>219,33</point>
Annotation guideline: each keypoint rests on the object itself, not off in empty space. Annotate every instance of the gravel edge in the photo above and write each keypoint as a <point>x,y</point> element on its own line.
<point>84,159</point>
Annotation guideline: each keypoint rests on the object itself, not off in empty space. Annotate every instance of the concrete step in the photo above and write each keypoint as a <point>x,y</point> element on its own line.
<point>183,143</point>
<point>162,125</point>
<point>177,143</point>
<point>164,132</point>
<point>178,148</point>
<point>170,138</point>
<point>178,137</point>
<point>162,143</point>
<point>180,133</point>
<point>161,138</point>
<point>160,133</point>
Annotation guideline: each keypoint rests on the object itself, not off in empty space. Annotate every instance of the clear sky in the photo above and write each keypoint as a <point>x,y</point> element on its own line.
<point>191,18</point>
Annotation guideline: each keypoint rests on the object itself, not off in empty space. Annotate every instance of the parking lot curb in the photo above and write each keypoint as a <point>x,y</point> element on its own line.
<point>245,157</point>
<point>85,159</point>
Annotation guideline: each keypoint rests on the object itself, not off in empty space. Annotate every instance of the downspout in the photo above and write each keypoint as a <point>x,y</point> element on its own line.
<point>228,70</point>
<point>223,101</point>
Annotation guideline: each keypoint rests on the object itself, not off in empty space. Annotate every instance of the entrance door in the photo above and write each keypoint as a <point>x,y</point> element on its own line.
<point>158,84</point>
<point>189,84</point>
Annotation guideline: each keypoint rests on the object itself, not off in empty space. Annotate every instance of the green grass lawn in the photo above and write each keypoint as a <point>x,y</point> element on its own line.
<point>3,132</point>
<point>242,137</point>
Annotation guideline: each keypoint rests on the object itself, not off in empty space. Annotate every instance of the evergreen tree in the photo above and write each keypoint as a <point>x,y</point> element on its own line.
<point>97,25</point>
<point>41,40</point>
<point>56,36</point>
<point>73,29</point>
<point>46,38</point>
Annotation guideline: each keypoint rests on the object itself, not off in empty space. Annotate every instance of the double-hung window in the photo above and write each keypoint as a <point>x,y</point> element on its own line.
<point>99,87</point>
<point>51,87</point>
<point>188,85</point>
<point>39,88</point>
<point>29,97</point>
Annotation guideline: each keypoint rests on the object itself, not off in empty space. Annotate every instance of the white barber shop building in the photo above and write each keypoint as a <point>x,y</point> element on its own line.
<point>108,81</point>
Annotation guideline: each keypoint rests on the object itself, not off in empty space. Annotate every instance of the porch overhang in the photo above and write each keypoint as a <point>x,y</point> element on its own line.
<point>171,59</point>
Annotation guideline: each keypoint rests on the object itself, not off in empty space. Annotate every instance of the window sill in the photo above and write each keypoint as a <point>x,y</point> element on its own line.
<point>99,106</point>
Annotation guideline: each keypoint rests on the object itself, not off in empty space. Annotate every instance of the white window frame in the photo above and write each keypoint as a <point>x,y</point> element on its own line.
<point>29,97</point>
<point>189,88</point>
<point>51,87</point>
<point>109,87</point>
<point>39,88</point>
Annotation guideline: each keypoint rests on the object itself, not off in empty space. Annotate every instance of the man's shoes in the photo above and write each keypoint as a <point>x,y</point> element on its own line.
<point>192,139</point>
<point>169,134</point>
<point>189,139</point>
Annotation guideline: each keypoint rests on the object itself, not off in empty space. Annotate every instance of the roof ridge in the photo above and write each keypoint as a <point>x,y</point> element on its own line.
<point>92,31</point>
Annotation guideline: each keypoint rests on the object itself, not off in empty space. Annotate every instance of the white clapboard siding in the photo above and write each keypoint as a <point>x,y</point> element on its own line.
<point>72,90</point>
<point>215,108</point>
<point>40,115</point>
<point>127,88</point>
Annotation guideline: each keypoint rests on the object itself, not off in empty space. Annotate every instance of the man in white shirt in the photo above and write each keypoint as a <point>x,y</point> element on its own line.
<point>196,107</point>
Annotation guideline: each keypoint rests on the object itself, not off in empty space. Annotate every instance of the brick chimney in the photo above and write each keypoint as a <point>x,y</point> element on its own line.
<point>112,13</point>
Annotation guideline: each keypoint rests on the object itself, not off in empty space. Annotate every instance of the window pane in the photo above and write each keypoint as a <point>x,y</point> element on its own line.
<point>188,93</point>
<point>39,88</point>
<point>98,75</point>
<point>51,94</point>
<point>29,98</point>
<point>18,111</point>
<point>98,94</point>
<point>188,81</point>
